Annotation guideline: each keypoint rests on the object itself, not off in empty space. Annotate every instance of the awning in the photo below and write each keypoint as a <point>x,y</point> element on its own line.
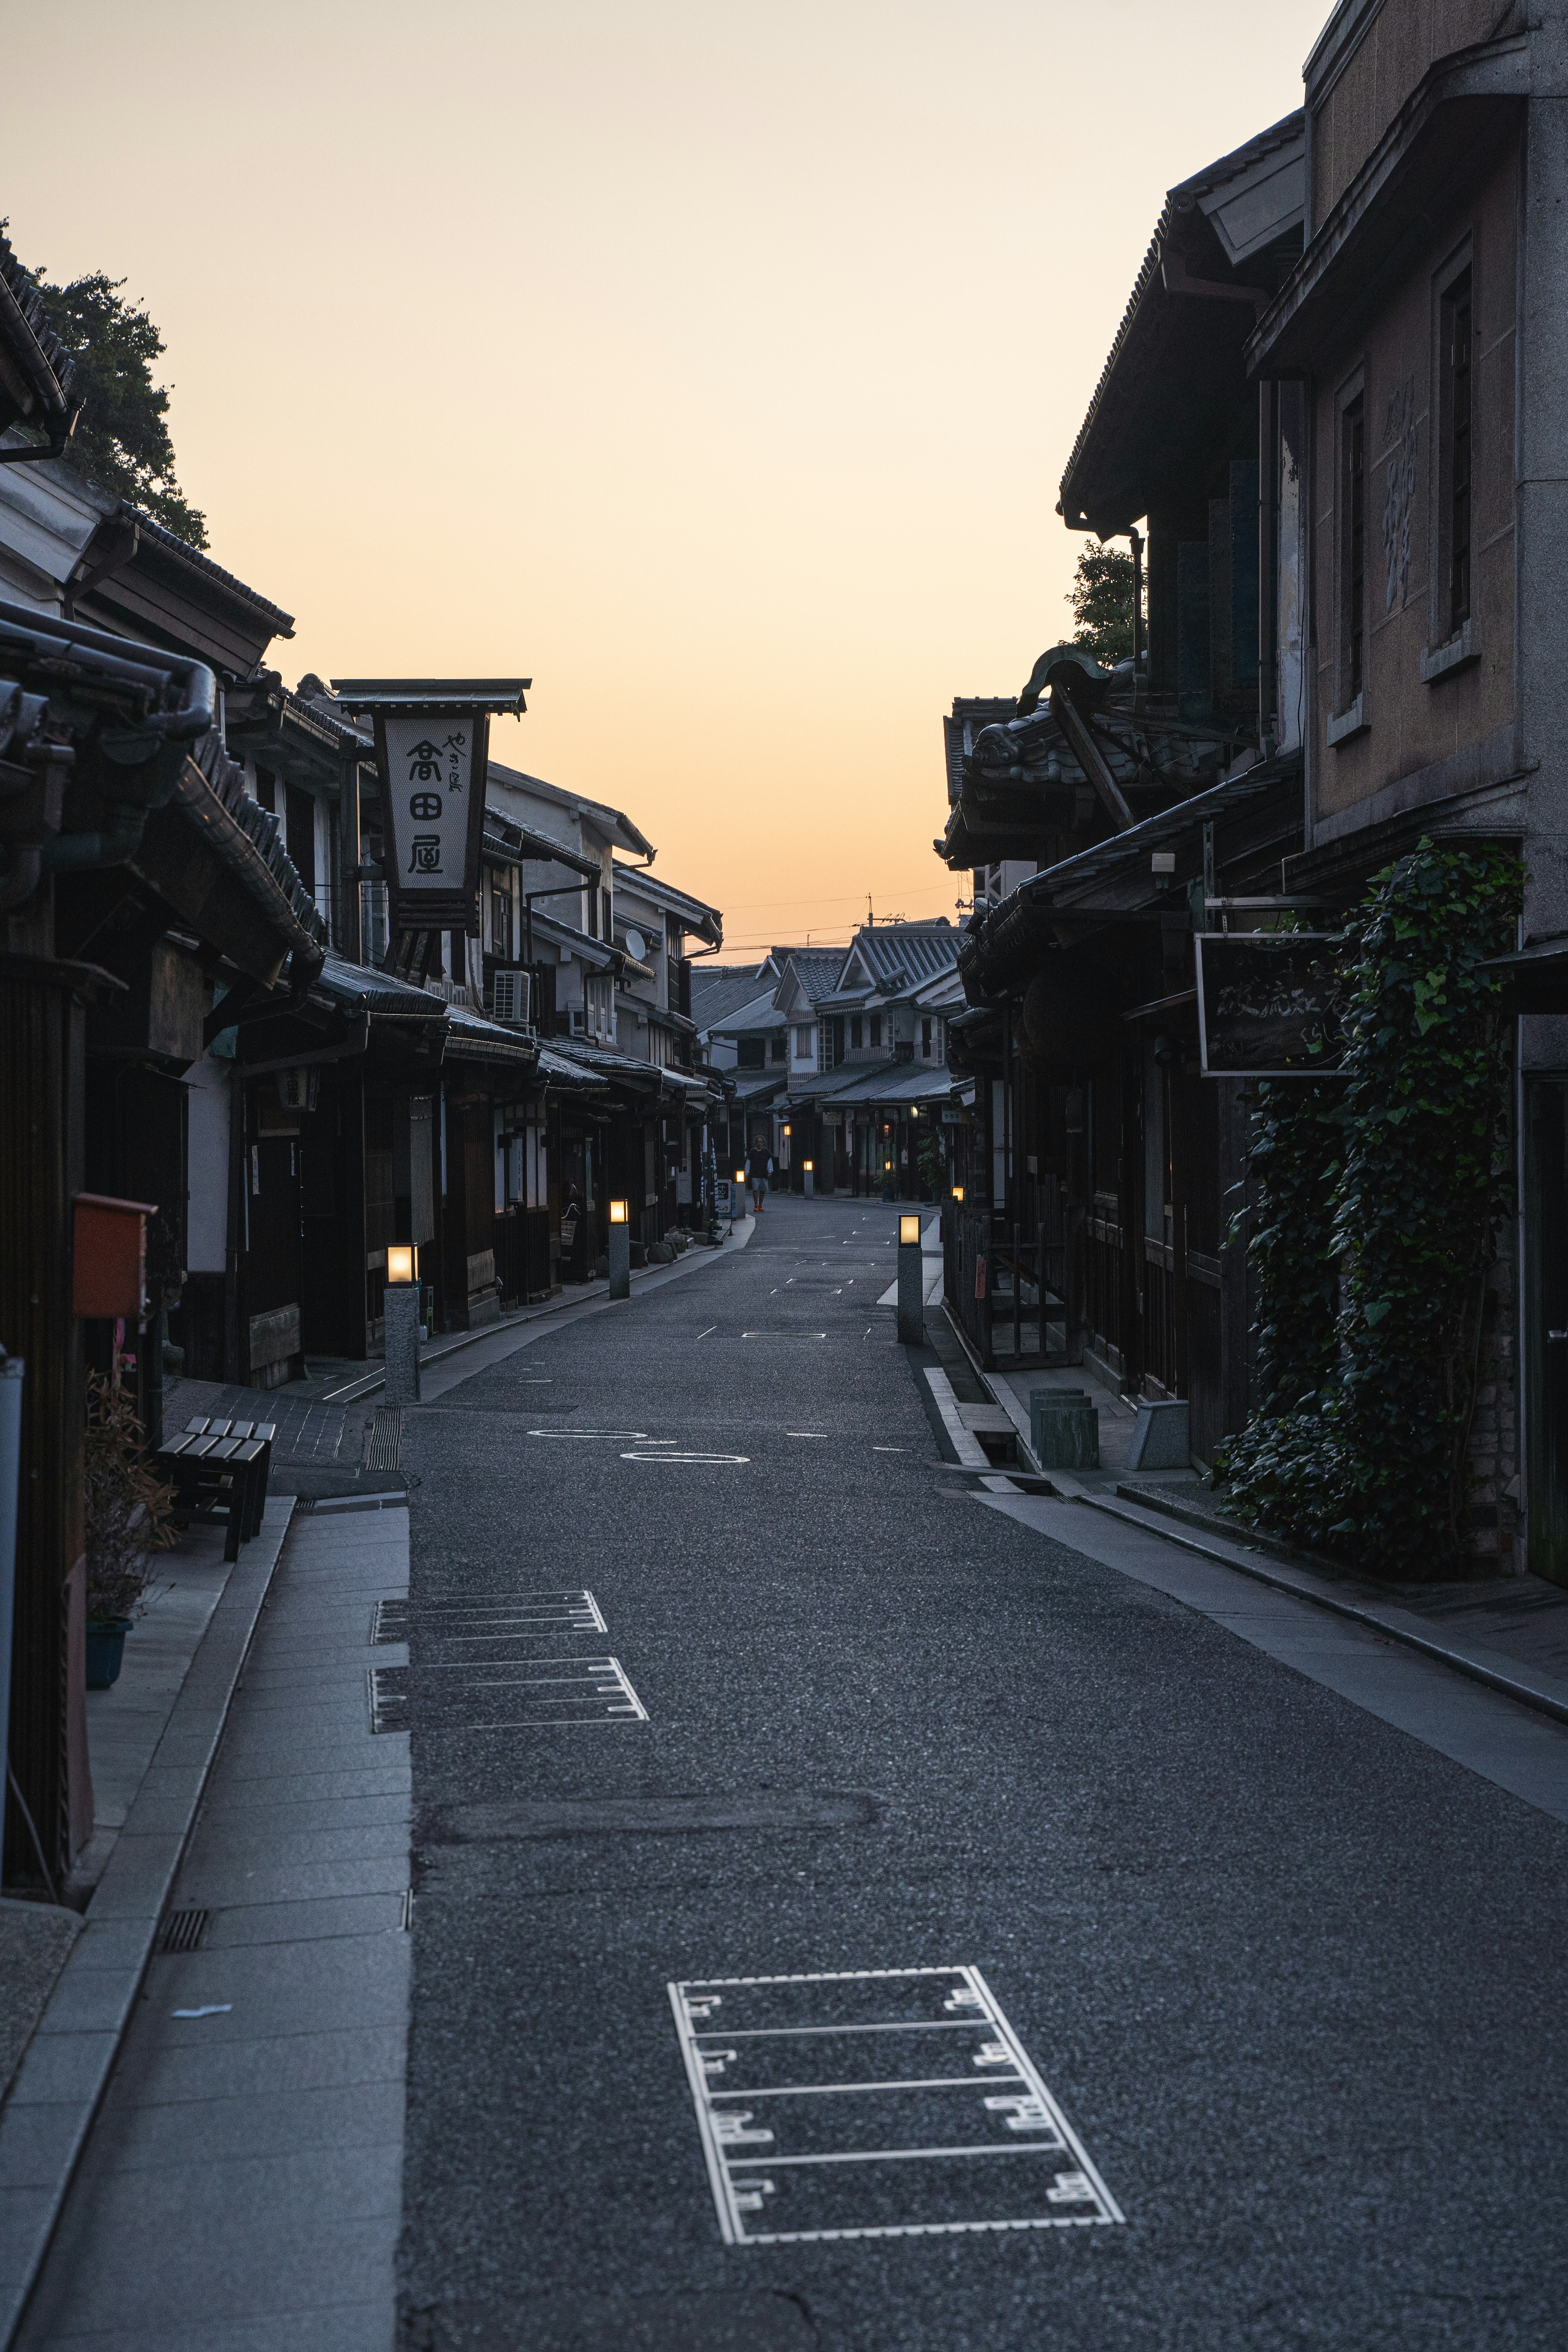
<point>1114,879</point>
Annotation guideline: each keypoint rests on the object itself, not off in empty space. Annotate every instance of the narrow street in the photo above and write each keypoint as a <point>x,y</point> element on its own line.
<point>1287,1972</point>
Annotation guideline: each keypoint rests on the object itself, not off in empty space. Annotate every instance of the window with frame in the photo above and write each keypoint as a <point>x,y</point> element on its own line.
<point>925,1037</point>
<point>804,1043</point>
<point>1352,548</point>
<point>875,1028</point>
<point>1456,451</point>
<point>778,1047</point>
<point>749,1054</point>
<point>501,921</point>
<point>854,1026</point>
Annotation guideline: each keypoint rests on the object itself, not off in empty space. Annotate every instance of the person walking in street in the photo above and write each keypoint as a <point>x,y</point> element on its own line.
<point>759,1166</point>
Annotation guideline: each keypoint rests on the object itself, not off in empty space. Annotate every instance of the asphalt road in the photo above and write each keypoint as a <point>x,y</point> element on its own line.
<point>1293,1979</point>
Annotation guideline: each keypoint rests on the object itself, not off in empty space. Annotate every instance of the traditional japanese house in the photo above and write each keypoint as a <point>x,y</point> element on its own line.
<point>1103,818</point>
<point>1416,358</point>
<point>740,1036</point>
<point>139,879</point>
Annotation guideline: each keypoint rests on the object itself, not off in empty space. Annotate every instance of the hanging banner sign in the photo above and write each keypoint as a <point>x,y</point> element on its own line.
<point>433,816</point>
<point>1270,1004</point>
<point>431,746</point>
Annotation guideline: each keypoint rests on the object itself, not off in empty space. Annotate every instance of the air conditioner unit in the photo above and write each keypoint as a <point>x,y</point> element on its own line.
<point>511,1001</point>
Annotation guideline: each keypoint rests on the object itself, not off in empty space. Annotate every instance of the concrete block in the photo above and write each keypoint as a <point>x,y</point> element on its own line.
<point>1064,1429</point>
<point>1159,1438</point>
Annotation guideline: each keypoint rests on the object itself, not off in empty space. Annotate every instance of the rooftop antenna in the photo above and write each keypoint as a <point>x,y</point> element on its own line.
<point>870,917</point>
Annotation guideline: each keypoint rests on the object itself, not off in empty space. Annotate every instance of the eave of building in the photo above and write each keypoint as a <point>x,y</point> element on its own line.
<point>1113,879</point>
<point>616,827</point>
<point>1170,386</point>
<point>136,577</point>
<point>1459,112</point>
<point>697,917</point>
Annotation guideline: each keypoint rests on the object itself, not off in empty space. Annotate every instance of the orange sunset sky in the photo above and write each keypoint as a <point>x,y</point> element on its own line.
<point>714,364</point>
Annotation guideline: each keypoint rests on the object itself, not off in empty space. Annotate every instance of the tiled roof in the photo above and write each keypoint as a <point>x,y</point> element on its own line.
<point>905,955</point>
<point>363,986</point>
<point>38,350</point>
<point>719,990</point>
<point>894,1082</point>
<point>971,712</point>
<point>816,969</point>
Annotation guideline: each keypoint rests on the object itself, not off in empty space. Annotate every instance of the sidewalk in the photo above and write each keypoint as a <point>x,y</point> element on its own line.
<point>243,2184</point>
<point>1509,1633</point>
<point>156,1766</point>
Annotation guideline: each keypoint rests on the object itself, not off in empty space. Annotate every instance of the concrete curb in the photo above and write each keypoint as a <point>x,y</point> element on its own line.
<point>47,2119</point>
<point>644,1277</point>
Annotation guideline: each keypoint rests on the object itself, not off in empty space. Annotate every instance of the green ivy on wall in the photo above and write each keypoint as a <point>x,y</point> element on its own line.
<point>1378,1199</point>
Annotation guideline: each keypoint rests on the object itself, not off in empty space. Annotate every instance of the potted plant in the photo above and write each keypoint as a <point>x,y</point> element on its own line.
<point>126,1512</point>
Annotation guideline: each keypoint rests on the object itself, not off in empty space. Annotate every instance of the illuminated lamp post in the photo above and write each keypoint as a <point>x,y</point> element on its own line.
<point>911,1283</point>
<point>400,1311</point>
<point>620,1252</point>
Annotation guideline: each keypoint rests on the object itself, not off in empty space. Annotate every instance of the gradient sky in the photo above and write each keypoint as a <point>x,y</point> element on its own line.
<point>713,364</point>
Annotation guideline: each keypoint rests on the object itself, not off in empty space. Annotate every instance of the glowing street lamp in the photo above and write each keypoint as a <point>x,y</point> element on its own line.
<point>911,1283</point>
<point>400,1324</point>
<point>620,1249</point>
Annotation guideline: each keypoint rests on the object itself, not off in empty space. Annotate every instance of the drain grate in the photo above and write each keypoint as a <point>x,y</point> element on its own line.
<point>384,1448</point>
<point>183,1931</point>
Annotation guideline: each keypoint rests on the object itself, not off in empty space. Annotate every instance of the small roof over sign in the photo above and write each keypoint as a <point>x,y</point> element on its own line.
<point>412,694</point>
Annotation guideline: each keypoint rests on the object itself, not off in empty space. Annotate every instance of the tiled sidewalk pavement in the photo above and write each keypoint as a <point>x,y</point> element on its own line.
<point>241,2189</point>
<point>309,1434</point>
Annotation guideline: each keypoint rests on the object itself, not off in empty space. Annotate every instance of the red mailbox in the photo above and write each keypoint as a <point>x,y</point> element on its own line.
<point>108,1271</point>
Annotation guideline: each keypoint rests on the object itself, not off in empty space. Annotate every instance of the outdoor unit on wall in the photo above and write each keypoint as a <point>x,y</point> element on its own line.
<point>513,998</point>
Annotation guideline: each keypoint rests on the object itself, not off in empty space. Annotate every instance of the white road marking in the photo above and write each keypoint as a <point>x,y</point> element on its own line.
<point>587,1432</point>
<point>686,1457</point>
<point>709,1333</point>
<point>938,2122</point>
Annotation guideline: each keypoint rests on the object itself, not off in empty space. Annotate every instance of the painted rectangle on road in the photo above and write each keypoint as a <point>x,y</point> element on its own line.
<point>501,1695</point>
<point>480,1618</point>
<point>876,2102</point>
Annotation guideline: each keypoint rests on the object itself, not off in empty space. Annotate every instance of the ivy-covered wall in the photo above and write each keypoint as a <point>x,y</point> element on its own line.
<point>1381,1242</point>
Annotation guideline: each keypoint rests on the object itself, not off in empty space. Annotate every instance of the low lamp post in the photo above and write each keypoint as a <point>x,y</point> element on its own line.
<point>400,1310</point>
<point>911,1283</point>
<point>738,1197</point>
<point>620,1250</point>
<point>806,1167</point>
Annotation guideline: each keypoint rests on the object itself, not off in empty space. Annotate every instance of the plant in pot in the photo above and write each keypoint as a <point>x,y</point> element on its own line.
<point>127,1512</point>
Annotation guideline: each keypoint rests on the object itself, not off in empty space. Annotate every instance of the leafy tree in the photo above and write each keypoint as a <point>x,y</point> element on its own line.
<point>122,440</point>
<point>1102,601</point>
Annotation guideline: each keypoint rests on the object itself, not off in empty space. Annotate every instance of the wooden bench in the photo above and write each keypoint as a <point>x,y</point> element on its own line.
<point>218,1470</point>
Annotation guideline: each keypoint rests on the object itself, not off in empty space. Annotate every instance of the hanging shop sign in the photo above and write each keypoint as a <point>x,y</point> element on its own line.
<point>1270,1004</point>
<point>432,748</point>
